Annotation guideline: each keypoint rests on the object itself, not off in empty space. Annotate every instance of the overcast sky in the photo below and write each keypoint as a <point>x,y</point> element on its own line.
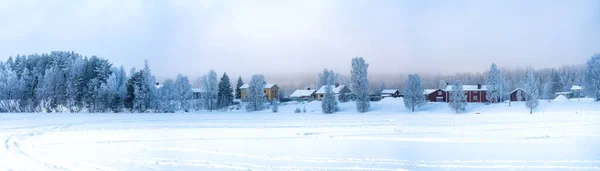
<point>243,37</point>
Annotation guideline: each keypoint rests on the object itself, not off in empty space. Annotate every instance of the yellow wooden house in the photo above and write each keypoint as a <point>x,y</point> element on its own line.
<point>271,91</point>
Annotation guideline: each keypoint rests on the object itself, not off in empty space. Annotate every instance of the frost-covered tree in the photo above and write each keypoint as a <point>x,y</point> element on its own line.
<point>255,94</point>
<point>51,91</point>
<point>494,84</point>
<point>505,90</point>
<point>442,84</point>
<point>113,91</point>
<point>413,92</point>
<point>168,97</point>
<point>329,104</point>
<point>132,101</point>
<point>141,92</point>
<point>557,83</point>
<point>531,91</point>
<point>238,91</point>
<point>74,82</point>
<point>547,91</point>
<point>27,83</point>
<point>592,77</point>
<point>10,91</point>
<point>360,84</point>
<point>149,87</point>
<point>225,95</point>
<point>184,93</point>
<point>274,106</point>
<point>458,99</point>
<point>211,88</point>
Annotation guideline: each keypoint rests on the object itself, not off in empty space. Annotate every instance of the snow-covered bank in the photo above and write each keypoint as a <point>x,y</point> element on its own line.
<point>387,138</point>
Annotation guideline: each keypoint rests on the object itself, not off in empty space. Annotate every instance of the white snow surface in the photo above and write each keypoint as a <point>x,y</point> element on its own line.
<point>558,136</point>
<point>560,98</point>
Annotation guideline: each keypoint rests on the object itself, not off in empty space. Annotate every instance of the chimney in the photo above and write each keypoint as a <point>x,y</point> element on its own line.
<point>478,86</point>
<point>157,83</point>
<point>337,85</point>
<point>308,88</point>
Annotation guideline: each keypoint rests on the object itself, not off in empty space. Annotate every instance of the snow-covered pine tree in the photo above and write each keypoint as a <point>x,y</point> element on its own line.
<point>225,95</point>
<point>255,94</point>
<point>238,91</point>
<point>458,99</point>
<point>328,104</point>
<point>136,90</point>
<point>360,84</point>
<point>557,83</point>
<point>413,92</point>
<point>494,84</point>
<point>184,93</point>
<point>149,86</point>
<point>592,77</point>
<point>531,91</point>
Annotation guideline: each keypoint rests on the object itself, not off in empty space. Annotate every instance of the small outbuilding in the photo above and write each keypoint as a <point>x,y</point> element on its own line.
<point>514,95</point>
<point>390,93</point>
<point>303,95</point>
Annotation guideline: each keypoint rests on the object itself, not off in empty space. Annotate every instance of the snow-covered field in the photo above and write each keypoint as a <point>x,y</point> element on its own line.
<point>561,135</point>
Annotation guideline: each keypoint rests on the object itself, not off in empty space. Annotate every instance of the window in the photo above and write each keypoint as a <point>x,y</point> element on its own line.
<point>439,93</point>
<point>439,99</point>
<point>475,98</point>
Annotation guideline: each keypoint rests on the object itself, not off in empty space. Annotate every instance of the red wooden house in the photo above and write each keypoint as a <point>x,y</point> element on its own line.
<point>436,95</point>
<point>475,93</point>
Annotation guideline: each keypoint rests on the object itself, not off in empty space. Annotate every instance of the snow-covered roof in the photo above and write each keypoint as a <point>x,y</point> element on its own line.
<point>158,86</point>
<point>389,91</point>
<point>266,86</point>
<point>516,90</point>
<point>469,88</point>
<point>429,91</point>
<point>335,89</point>
<point>576,87</point>
<point>302,93</point>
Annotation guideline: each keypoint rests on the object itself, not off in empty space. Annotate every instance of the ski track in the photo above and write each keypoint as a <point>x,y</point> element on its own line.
<point>19,144</point>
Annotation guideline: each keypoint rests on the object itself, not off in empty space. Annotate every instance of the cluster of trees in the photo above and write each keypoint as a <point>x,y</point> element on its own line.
<point>359,85</point>
<point>69,82</point>
<point>60,82</point>
<point>536,85</point>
